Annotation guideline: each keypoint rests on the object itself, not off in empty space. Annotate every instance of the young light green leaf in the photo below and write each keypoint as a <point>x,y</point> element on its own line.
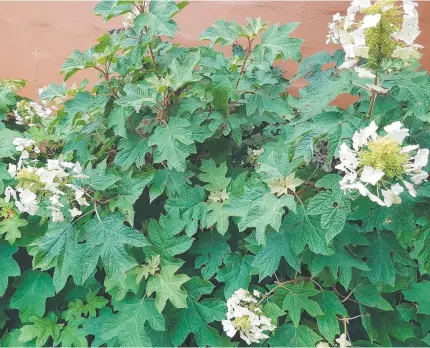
<point>10,227</point>
<point>41,330</point>
<point>167,286</point>
<point>214,176</point>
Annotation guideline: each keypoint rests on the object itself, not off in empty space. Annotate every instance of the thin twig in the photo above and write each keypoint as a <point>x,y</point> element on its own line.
<point>97,213</point>
<point>247,54</point>
<point>346,298</point>
<point>105,76</point>
<point>372,100</point>
<point>352,318</point>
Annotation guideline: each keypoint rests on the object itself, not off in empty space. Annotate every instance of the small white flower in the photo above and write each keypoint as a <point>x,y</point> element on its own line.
<point>348,64</point>
<point>57,215</point>
<point>364,73</point>
<point>418,178</point>
<point>421,158</point>
<point>343,342</point>
<point>24,155</point>
<point>348,159</point>
<point>361,3</point>
<point>359,139</point>
<point>53,164</point>
<point>376,88</point>
<point>12,169</point>
<point>410,148</point>
<point>79,197</point>
<point>67,165</point>
<point>26,196</point>
<point>375,198</point>
<point>396,132</point>
<point>337,17</point>
<point>410,188</point>
<point>392,196</point>
<point>408,34</point>
<point>361,51</point>
<point>27,202</point>
<point>371,175</point>
<point>47,176</point>
<point>371,21</point>
<point>406,53</point>
<point>75,212</point>
<point>54,199</point>
<point>322,345</point>
<point>8,192</point>
<point>21,143</point>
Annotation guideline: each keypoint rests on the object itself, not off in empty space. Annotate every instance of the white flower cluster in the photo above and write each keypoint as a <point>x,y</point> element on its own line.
<point>30,113</point>
<point>342,341</point>
<point>49,183</point>
<point>244,315</point>
<point>352,35</point>
<point>24,143</point>
<point>377,161</point>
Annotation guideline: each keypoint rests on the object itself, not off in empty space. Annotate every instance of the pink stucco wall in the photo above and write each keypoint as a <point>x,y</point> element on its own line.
<point>54,28</point>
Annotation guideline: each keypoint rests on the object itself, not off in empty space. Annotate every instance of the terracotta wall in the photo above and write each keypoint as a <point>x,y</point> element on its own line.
<point>52,29</point>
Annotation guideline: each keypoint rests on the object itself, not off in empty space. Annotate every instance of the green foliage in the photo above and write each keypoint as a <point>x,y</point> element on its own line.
<point>202,175</point>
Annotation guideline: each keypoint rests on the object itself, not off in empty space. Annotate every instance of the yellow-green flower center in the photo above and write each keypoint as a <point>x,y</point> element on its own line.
<point>29,180</point>
<point>242,323</point>
<point>384,154</point>
<point>379,39</point>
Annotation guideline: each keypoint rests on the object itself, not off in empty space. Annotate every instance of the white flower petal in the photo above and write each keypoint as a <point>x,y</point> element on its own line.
<point>371,175</point>
<point>348,64</point>
<point>421,158</point>
<point>364,73</point>
<point>410,188</point>
<point>371,21</point>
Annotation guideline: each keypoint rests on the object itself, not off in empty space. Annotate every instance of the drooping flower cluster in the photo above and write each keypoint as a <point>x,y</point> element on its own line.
<point>50,186</point>
<point>30,113</point>
<point>244,315</point>
<point>383,31</point>
<point>380,165</point>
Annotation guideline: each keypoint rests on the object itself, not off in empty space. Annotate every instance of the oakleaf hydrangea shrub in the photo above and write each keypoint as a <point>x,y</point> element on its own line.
<point>185,198</point>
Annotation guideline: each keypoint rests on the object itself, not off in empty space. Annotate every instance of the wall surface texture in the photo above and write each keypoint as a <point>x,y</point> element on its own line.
<point>37,36</point>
